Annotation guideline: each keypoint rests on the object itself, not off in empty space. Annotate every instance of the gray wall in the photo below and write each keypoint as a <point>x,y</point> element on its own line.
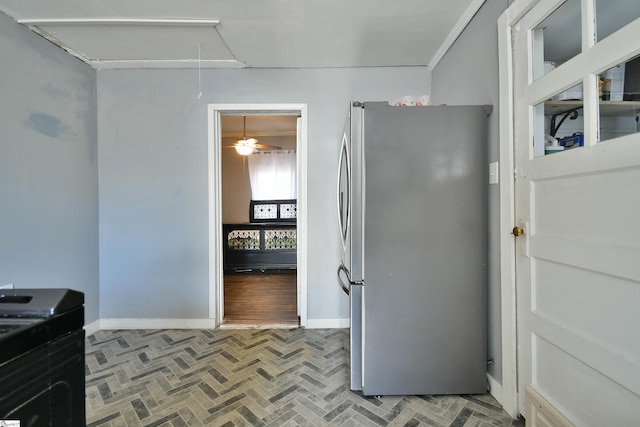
<point>153,177</point>
<point>48,167</point>
<point>236,186</point>
<point>468,74</point>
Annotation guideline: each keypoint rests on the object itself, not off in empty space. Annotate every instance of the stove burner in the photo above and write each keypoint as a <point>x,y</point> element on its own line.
<point>15,299</point>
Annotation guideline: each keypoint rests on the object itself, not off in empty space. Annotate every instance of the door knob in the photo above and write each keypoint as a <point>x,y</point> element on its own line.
<point>517,231</point>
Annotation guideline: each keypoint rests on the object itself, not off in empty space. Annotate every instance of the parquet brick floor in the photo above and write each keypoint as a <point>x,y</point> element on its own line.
<point>252,377</point>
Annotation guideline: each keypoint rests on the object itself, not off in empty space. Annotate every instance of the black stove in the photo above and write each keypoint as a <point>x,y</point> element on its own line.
<point>42,357</point>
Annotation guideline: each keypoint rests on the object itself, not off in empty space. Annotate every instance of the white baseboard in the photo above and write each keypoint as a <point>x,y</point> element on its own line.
<point>327,323</point>
<point>92,328</point>
<point>540,412</point>
<point>157,324</point>
<point>109,324</point>
<point>496,389</point>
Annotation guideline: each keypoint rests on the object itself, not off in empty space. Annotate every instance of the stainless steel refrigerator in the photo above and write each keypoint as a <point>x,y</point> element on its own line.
<point>412,203</point>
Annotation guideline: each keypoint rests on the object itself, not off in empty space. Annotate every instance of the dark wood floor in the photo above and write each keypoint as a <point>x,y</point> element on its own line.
<point>260,298</point>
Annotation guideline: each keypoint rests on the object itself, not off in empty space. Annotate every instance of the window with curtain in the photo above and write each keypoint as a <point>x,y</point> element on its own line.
<point>273,175</point>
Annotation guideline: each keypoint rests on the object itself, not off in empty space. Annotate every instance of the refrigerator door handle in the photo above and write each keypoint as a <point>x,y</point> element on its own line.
<point>343,205</point>
<point>339,200</point>
<point>346,287</point>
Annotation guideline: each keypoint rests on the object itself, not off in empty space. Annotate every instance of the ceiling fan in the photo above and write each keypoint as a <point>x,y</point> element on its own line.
<point>245,146</point>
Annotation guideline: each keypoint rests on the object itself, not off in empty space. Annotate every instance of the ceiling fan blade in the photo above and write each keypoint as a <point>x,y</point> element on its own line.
<point>267,147</point>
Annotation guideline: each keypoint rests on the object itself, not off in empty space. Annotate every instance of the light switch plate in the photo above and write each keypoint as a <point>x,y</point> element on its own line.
<point>493,173</point>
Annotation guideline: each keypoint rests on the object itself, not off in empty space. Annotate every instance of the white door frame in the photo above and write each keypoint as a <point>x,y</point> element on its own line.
<point>509,397</point>
<point>216,270</point>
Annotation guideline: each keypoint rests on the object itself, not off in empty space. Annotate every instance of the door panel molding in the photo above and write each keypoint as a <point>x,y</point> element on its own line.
<point>620,262</point>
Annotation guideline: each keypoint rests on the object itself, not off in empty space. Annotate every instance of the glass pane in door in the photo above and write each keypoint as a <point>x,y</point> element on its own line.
<point>558,123</point>
<point>619,106</point>
<point>557,38</point>
<point>611,15</point>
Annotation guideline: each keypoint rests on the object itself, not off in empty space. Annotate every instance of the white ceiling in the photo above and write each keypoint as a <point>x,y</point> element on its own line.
<point>249,33</point>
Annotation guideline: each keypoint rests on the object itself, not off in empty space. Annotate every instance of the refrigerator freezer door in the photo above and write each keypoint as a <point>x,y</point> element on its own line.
<point>355,336</point>
<point>424,250</point>
<point>354,290</point>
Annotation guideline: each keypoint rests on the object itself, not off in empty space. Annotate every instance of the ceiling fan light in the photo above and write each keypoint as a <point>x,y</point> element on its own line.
<point>245,146</point>
<point>244,149</point>
<point>248,141</point>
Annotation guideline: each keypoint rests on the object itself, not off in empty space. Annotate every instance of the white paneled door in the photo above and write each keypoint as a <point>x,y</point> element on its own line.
<point>578,212</point>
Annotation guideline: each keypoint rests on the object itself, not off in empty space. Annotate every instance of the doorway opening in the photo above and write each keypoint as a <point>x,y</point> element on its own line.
<point>259,215</point>
<point>257,247</point>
